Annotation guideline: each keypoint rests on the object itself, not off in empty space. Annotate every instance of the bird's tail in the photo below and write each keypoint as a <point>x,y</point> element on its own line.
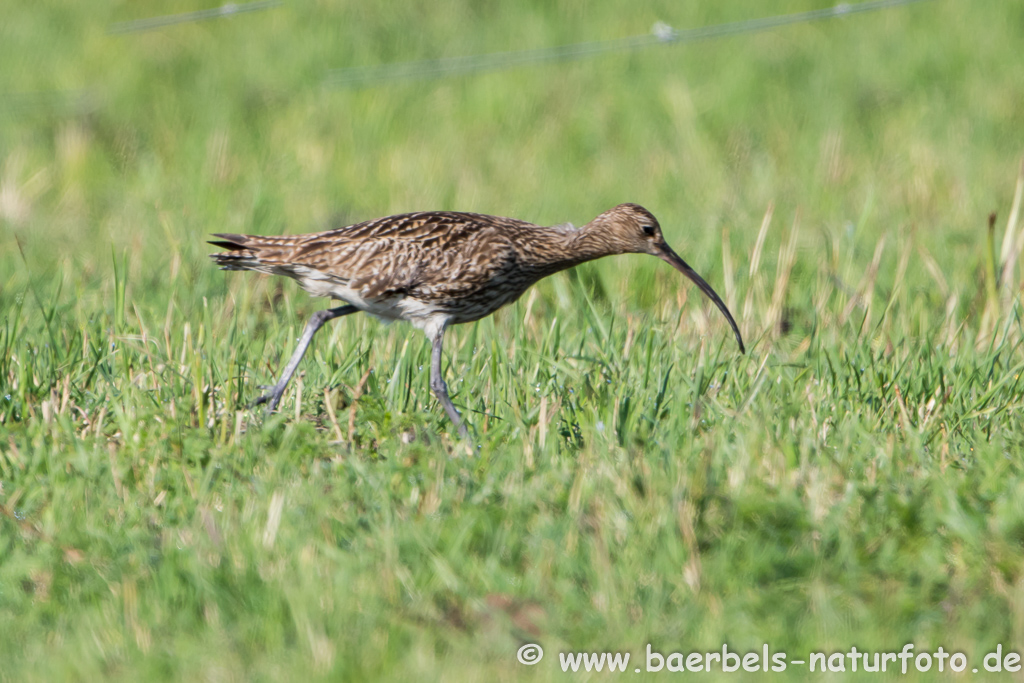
<point>243,251</point>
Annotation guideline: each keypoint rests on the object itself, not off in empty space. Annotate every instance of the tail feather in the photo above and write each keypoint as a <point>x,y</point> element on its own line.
<point>230,241</point>
<point>255,252</point>
<point>239,256</point>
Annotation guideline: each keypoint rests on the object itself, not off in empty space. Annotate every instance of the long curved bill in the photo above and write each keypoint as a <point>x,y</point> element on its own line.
<point>666,254</point>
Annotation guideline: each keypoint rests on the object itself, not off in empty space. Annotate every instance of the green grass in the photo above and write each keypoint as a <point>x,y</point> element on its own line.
<point>855,479</point>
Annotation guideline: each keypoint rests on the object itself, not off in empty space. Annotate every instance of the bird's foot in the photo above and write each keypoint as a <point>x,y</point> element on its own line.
<point>465,445</point>
<point>271,398</point>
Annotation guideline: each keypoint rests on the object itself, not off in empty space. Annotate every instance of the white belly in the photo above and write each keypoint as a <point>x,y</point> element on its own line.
<point>421,315</point>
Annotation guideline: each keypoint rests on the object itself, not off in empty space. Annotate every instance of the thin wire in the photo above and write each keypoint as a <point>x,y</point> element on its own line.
<point>660,35</point>
<point>226,10</point>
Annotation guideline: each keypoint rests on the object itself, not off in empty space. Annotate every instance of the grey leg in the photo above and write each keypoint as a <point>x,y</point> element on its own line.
<point>438,386</point>
<point>314,324</point>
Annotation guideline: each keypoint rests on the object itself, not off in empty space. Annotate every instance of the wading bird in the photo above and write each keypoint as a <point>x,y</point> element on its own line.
<point>440,268</point>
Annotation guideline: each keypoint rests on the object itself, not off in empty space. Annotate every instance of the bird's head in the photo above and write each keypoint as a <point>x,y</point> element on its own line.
<point>632,229</point>
<point>629,229</point>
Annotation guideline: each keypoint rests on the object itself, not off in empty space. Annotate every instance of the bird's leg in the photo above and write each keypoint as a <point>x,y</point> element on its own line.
<point>315,323</point>
<point>438,386</point>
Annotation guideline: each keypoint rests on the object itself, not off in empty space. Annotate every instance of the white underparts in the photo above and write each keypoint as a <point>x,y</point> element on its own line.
<point>419,314</point>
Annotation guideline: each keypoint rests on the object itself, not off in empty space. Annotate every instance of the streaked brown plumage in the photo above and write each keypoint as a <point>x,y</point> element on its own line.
<point>440,268</point>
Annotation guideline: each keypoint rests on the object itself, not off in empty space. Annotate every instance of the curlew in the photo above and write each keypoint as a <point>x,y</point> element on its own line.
<point>440,268</point>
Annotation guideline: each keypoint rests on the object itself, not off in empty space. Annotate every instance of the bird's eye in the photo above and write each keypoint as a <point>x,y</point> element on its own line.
<point>648,230</point>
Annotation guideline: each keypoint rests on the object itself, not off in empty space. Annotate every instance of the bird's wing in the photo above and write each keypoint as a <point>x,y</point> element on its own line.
<point>392,255</point>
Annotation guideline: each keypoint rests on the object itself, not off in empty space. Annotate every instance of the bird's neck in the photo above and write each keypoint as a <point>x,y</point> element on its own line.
<point>557,249</point>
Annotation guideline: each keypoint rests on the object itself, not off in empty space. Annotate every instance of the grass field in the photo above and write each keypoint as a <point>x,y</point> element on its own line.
<point>855,479</point>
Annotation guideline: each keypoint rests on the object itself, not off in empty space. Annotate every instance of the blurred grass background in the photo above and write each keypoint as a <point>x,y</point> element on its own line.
<point>855,479</point>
